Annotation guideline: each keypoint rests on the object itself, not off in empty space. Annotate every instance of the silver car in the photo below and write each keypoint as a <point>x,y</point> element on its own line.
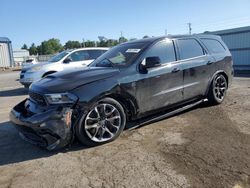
<point>69,59</point>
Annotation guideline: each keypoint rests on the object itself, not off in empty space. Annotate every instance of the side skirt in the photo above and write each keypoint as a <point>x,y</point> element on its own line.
<point>155,118</point>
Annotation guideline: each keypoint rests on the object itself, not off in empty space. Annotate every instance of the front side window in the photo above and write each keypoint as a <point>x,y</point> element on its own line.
<point>213,45</point>
<point>79,56</point>
<point>189,48</point>
<point>164,50</point>
<point>59,56</point>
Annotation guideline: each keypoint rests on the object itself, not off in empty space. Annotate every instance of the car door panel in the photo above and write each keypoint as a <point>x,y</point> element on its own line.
<point>196,68</point>
<point>160,87</point>
<point>196,76</point>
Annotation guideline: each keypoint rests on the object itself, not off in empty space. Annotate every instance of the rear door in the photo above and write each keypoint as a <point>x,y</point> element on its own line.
<point>163,85</point>
<point>196,68</point>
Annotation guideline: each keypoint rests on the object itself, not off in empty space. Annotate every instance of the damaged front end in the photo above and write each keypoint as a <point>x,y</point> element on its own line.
<point>48,126</point>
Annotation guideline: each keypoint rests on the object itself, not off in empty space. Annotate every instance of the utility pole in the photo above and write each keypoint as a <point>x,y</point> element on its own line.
<point>166,32</point>
<point>190,28</point>
<point>83,43</point>
<point>121,34</point>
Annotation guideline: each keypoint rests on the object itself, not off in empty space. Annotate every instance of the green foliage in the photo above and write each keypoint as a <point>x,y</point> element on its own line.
<point>72,45</point>
<point>89,43</point>
<point>50,46</point>
<point>53,46</point>
<point>33,49</point>
<point>24,47</point>
<point>122,39</point>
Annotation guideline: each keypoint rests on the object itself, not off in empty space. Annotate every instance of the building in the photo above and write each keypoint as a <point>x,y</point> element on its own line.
<point>20,56</point>
<point>6,56</point>
<point>238,42</point>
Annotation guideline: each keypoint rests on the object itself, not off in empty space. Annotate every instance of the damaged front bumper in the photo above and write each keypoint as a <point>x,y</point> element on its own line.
<point>50,128</point>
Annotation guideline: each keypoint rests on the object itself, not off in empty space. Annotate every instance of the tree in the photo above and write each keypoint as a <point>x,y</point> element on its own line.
<point>24,47</point>
<point>146,36</point>
<point>33,49</point>
<point>89,43</point>
<point>122,39</point>
<point>50,46</point>
<point>111,42</point>
<point>72,44</point>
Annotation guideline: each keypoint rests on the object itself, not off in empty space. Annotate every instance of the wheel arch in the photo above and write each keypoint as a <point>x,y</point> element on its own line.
<point>128,103</point>
<point>47,73</point>
<point>211,79</point>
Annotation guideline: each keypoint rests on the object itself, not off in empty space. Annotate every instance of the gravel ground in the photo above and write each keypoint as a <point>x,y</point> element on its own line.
<point>203,147</point>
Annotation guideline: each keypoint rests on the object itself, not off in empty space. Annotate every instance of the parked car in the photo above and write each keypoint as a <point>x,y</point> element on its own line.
<point>131,81</point>
<point>69,59</point>
<point>29,62</point>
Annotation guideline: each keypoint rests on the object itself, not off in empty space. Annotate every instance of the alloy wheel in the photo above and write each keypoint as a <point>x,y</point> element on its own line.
<point>220,87</point>
<point>102,122</point>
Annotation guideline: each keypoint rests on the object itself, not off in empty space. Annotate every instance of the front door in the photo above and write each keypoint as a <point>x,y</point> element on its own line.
<point>78,59</point>
<point>163,85</point>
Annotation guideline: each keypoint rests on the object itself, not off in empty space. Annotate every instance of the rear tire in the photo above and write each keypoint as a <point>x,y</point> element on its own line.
<point>103,123</point>
<point>217,90</point>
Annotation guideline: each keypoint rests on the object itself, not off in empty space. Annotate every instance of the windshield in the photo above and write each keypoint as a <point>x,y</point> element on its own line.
<point>122,55</point>
<point>59,56</point>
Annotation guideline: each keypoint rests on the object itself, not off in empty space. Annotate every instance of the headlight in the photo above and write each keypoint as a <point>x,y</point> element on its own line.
<point>60,98</point>
<point>34,69</point>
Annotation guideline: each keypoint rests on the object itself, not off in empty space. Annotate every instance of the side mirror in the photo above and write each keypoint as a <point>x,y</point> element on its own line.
<point>149,62</point>
<point>152,62</point>
<point>67,60</point>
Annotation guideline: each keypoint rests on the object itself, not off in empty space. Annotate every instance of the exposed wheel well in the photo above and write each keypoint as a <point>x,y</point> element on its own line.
<point>47,73</point>
<point>211,81</point>
<point>130,106</point>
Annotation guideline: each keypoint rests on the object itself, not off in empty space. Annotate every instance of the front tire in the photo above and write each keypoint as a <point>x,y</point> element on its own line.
<point>103,123</point>
<point>218,89</point>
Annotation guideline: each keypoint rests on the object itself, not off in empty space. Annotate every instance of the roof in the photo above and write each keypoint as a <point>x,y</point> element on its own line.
<point>231,31</point>
<point>4,39</point>
<point>87,48</point>
<point>153,39</point>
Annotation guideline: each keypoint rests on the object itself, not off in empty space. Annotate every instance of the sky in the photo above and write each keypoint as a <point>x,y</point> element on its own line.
<point>28,21</point>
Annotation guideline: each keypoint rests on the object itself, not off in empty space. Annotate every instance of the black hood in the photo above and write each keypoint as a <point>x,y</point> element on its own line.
<point>67,80</point>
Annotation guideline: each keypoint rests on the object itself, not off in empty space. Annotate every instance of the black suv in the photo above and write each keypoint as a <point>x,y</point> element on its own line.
<point>129,82</point>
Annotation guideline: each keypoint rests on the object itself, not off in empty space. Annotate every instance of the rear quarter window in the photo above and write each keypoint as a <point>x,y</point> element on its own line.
<point>214,46</point>
<point>189,48</point>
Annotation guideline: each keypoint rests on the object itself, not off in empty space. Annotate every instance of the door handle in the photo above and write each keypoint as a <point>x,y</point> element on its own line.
<point>175,70</point>
<point>209,62</point>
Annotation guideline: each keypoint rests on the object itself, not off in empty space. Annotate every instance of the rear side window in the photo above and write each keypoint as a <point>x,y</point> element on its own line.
<point>164,50</point>
<point>189,48</point>
<point>94,54</point>
<point>214,46</point>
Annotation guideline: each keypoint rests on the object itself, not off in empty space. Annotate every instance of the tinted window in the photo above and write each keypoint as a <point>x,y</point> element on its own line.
<point>213,45</point>
<point>164,50</point>
<point>94,54</point>
<point>79,56</point>
<point>189,48</point>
